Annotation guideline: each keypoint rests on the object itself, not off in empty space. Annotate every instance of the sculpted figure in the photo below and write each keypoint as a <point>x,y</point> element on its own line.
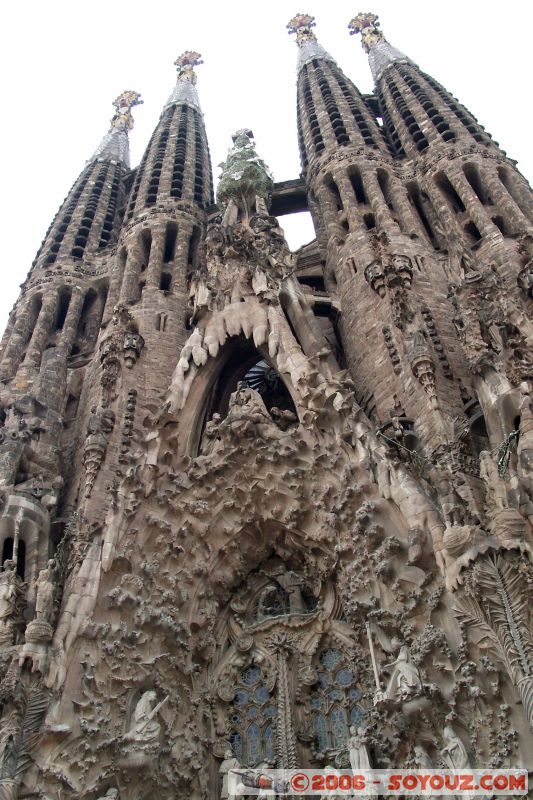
<point>45,586</point>
<point>496,493</point>
<point>229,762</point>
<point>454,751</point>
<point>357,749</point>
<point>422,757</point>
<point>292,583</point>
<point>405,679</point>
<point>247,415</point>
<point>145,728</point>
<point>7,591</point>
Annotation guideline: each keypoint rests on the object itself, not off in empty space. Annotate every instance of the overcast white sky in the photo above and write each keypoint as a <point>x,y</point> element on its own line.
<point>63,62</point>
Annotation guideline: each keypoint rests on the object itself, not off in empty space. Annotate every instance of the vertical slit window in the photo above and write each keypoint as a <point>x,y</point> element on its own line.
<point>170,243</point>
<point>413,193</point>
<point>333,189</point>
<point>449,192</point>
<point>178,167</point>
<point>356,180</point>
<point>109,219</point>
<point>159,158</point>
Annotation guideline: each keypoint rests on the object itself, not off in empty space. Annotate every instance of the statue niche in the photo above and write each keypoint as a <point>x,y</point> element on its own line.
<point>284,594</point>
<point>249,397</point>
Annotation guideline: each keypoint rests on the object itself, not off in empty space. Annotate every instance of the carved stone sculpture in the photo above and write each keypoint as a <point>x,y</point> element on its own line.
<point>229,762</point>
<point>405,680</point>
<point>454,752</point>
<point>357,749</point>
<point>142,740</point>
<point>8,598</point>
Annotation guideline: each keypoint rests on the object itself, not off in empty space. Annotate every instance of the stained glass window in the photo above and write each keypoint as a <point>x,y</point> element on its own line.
<point>333,702</point>
<point>252,719</point>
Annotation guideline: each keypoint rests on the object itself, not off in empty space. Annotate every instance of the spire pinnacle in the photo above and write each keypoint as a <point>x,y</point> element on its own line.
<point>301,25</point>
<point>308,47</point>
<point>122,119</point>
<point>380,52</point>
<point>367,24</point>
<point>185,89</point>
<point>186,64</point>
<point>245,176</point>
<point>115,145</point>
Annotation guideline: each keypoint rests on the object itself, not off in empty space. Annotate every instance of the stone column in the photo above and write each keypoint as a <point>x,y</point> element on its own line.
<point>473,204</point>
<point>410,221</point>
<point>42,330</point>
<point>70,326</point>
<point>95,317</point>
<point>129,292</point>
<point>181,266</point>
<point>155,261</point>
<point>504,202</point>
<point>382,213</point>
<point>23,326</point>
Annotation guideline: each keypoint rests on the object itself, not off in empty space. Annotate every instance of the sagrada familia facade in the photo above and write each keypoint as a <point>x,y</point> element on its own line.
<point>263,507</point>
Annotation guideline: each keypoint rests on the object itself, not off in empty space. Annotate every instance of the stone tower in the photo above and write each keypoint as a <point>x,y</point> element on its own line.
<point>252,498</point>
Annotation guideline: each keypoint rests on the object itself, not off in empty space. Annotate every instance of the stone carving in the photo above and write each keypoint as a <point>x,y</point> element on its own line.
<point>454,752</point>
<point>392,276</point>
<point>357,750</point>
<point>9,586</point>
<point>525,279</point>
<point>422,758</point>
<point>493,603</point>
<point>45,587</point>
<point>40,629</point>
<point>405,680</point>
<point>423,366</point>
<point>142,740</point>
<point>436,341</point>
<point>111,794</point>
<point>122,340</point>
<point>229,762</point>
<point>99,430</point>
<point>133,345</point>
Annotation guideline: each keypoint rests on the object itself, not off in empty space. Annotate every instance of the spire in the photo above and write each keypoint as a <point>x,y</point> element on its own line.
<point>245,176</point>
<point>380,52</point>
<point>115,145</point>
<point>185,90</point>
<point>308,46</point>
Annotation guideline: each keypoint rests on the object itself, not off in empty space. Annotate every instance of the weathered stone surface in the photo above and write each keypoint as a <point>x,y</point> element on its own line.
<point>270,508</point>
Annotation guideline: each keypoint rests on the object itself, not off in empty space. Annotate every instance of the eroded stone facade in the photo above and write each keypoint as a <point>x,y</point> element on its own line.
<point>261,507</point>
